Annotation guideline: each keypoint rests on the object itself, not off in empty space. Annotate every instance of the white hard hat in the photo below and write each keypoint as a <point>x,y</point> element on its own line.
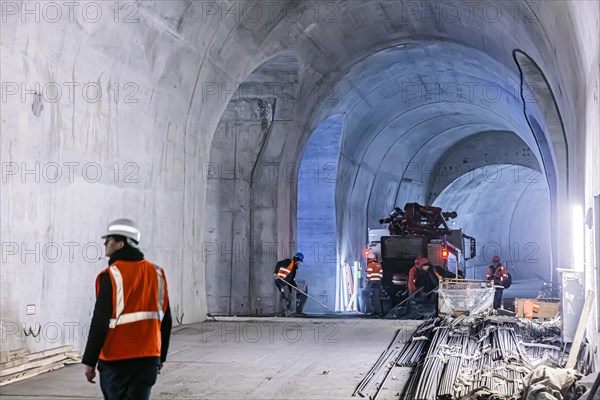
<point>123,227</point>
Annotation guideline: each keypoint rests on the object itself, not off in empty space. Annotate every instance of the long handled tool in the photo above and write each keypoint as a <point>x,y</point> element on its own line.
<point>306,294</point>
<point>416,292</point>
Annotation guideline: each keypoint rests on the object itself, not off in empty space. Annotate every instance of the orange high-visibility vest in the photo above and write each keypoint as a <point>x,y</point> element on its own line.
<point>412,279</point>
<point>374,271</point>
<point>501,274</point>
<point>285,271</point>
<point>140,300</point>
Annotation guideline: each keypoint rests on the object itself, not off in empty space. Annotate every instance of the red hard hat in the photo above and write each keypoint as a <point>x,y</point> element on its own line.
<point>495,259</point>
<point>422,260</point>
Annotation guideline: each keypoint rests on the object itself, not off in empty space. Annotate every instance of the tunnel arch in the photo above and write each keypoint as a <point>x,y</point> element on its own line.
<point>473,152</point>
<point>242,174</point>
<point>394,135</point>
<point>508,214</point>
<point>548,129</point>
<point>168,133</point>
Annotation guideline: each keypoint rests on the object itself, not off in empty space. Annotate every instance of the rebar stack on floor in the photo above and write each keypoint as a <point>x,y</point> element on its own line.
<point>541,341</point>
<point>473,354</point>
<point>373,381</point>
<point>456,357</point>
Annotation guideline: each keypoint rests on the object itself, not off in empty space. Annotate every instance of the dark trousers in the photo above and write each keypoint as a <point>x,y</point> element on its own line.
<point>375,296</point>
<point>300,301</point>
<point>288,297</point>
<point>498,298</point>
<point>128,379</point>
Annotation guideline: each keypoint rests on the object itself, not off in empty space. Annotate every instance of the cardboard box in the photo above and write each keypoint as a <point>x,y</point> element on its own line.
<point>536,308</point>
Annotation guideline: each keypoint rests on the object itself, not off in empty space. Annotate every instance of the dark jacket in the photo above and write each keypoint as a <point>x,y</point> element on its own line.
<point>429,279</point>
<point>103,314</point>
<point>291,278</point>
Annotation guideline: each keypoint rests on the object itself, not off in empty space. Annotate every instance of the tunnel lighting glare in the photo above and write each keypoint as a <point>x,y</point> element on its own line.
<point>578,240</point>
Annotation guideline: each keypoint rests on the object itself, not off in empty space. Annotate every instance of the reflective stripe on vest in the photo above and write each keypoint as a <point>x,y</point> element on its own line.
<point>284,272</point>
<point>500,272</point>
<point>135,316</point>
<point>374,272</point>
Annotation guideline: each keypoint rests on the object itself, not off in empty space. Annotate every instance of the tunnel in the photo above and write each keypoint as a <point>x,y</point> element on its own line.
<point>239,133</point>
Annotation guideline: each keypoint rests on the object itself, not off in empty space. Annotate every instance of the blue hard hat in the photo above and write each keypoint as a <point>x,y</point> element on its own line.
<point>299,256</point>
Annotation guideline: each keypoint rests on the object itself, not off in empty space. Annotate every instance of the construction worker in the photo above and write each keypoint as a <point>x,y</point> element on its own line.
<point>131,326</point>
<point>425,275</point>
<point>374,276</point>
<point>499,274</point>
<point>285,270</point>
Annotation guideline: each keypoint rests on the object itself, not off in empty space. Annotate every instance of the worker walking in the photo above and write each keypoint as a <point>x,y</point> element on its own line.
<point>499,274</point>
<point>374,276</point>
<point>131,326</point>
<point>285,270</point>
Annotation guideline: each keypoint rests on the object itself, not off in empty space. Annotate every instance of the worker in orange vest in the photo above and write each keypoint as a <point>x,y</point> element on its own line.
<point>374,276</point>
<point>285,270</point>
<point>424,274</point>
<point>131,326</point>
<point>499,274</point>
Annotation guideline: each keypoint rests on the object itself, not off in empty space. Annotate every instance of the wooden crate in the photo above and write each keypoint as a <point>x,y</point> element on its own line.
<point>536,308</point>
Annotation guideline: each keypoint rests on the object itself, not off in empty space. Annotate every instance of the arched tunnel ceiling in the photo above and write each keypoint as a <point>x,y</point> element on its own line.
<point>409,109</point>
<point>407,106</point>
<point>485,150</point>
<point>401,98</point>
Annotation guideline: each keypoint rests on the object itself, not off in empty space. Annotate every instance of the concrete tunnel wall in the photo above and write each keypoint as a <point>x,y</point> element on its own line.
<point>168,75</point>
<point>508,212</point>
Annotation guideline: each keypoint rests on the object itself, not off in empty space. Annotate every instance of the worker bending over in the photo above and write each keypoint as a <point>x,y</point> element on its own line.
<point>285,270</point>
<point>425,275</point>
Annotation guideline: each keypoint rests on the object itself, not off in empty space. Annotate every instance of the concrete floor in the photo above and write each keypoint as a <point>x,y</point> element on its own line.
<point>266,358</point>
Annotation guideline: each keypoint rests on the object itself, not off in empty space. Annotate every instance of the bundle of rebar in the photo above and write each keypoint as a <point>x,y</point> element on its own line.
<point>465,354</point>
<point>454,357</point>
<point>373,381</point>
<point>412,352</point>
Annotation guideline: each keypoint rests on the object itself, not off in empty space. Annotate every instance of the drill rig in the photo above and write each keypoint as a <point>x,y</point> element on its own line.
<point>414,232</point>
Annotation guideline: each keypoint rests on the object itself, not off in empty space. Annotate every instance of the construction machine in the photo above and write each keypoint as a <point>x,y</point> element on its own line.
<point>414,232</point>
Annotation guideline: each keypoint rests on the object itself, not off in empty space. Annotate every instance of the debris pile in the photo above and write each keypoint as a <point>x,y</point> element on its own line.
<point>20,364</point>
<point>480,358</point>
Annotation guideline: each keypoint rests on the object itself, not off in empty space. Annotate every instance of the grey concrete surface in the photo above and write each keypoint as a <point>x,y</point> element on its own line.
<point>507,209</point>
<point>111,112</point>
<point>317,228</point>
<point>235,358</point>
